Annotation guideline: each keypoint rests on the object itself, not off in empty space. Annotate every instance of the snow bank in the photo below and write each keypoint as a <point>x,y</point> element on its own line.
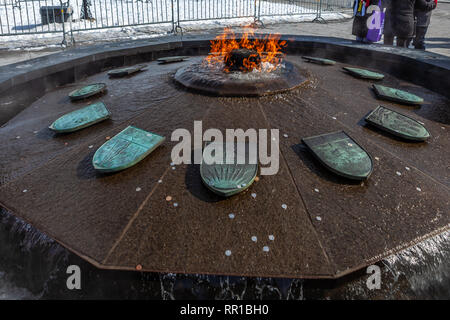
<point>146,18</point>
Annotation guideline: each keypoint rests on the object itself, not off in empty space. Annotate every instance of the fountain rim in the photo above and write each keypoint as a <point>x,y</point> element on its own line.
<point>46,73</point>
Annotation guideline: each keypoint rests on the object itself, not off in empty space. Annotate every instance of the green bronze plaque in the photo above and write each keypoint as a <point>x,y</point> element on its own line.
<point>125,149</point>
<point>172,59</point>
<point>341,154</point>
<point>229,177</point>
<point>364,74</point>
<point>397,124</point>
<point>122,72</point>
<point>81,118</point>
<point>87,91</point>
<point>319,60</point>
<point>396,95</point>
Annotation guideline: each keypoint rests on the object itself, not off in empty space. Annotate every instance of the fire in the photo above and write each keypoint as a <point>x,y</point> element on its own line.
<point>268,48</point>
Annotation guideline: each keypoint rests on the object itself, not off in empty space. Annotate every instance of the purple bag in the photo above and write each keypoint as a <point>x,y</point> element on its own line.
<point>376,25</point>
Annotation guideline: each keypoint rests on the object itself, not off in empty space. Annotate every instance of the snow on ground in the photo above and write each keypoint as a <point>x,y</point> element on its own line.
<point>23,16</point>
<point>146,18</point>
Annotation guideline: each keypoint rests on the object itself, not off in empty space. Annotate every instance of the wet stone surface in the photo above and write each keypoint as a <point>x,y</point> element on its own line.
<point>421,272</point>
<point>105,219</point>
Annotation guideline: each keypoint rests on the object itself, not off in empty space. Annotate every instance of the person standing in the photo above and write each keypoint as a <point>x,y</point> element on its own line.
<point>86,10</point>
<point>422,14</point>
<point>388,30</point>
<point>402,19</point>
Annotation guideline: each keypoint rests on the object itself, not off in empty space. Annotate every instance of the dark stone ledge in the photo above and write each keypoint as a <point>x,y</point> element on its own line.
<point>24,82</point>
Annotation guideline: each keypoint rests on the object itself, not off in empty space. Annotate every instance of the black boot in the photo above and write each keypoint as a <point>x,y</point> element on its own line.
<point>403,42</point>
<point>389,40</point>
<point>419,40</point>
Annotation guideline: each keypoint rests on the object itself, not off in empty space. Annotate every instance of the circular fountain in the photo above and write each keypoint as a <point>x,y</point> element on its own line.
<point>307,222</point>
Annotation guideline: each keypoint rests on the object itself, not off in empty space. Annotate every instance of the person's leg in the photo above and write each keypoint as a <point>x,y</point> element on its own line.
<point>408,42</point>
<point>419,40</point>
<point>423,21</point>
<point>403,42</point>
<point>400,42</point>
<point>388,39</point>
<point>388,28</point>
<point>83,10</point>
<point>86,10</point>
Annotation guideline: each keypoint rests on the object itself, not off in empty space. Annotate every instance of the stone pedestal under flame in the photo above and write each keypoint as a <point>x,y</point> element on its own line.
<point>228,79</point>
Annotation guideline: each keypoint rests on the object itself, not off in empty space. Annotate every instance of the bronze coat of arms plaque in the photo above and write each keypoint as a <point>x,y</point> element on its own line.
<point>319,60</point>
<point>396,95</point>
<point>339,153</point>
<point>87,91</point>
<point>81,118</point>
<point>397,124</point>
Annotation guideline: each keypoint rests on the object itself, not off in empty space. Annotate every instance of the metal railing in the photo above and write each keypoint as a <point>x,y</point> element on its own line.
<point>19,17</point>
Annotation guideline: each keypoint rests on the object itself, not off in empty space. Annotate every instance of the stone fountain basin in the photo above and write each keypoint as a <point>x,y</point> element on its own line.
<point>119,221</point>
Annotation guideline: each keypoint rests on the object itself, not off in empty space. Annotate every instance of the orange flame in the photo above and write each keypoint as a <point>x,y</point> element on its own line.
<point>269,49</point>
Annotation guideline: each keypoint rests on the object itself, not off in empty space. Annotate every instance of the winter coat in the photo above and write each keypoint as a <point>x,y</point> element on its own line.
<point>403,15</point>
<point>386,6</point>
<point>422,12</point>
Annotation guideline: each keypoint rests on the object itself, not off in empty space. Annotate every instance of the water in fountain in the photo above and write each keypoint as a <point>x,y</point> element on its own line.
<point>33,266</point>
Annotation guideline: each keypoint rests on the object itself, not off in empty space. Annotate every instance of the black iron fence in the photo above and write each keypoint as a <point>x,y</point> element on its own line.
<point>50,16</point>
